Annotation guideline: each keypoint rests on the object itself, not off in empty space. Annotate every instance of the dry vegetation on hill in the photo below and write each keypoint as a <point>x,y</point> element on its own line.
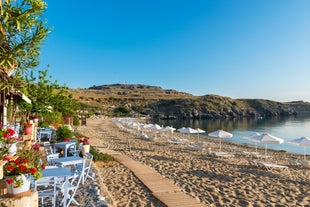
<point>128,99</point>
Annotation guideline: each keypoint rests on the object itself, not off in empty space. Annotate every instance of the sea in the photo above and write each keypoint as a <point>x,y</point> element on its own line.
<point>287,128</point>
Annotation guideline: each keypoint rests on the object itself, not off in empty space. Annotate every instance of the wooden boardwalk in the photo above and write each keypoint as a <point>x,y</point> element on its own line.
<point>161,188</point>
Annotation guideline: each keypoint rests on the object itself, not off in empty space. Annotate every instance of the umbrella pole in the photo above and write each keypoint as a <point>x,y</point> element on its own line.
<point>220,144</point>
<point>266,149</point>
<point>304,152</point>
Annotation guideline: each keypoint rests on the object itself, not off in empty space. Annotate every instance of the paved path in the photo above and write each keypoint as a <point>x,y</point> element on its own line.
<point>162,188</point>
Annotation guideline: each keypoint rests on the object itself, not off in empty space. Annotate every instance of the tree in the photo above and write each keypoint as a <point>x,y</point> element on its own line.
<point>44,94</point>
<point>22,30</point>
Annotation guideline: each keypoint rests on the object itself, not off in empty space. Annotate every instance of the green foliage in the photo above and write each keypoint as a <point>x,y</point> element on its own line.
<point>63,132</point>
<point>51,118</point>
<point>76,121</point>
<point>122,111</point>
<point>99,156</point>
<point>48,96</point>
<point>22,30</point>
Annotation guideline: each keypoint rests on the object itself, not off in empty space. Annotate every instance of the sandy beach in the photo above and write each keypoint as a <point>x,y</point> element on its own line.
<point>212,180</point>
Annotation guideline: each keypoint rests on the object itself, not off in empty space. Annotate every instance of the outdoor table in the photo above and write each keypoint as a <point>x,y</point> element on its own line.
<point>70,161</point>
<point>64,146</point>
<point>66,161</point>
<point>65,173</point>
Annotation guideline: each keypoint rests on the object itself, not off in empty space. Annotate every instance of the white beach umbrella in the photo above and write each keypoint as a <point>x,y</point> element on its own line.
<point>169,129</point>
<point>220,134</point>
<point>199,131</point>
<point>188,130</point>
<point>180,129</point>
<point>156,127</point>
<point>251,138</point>
<point>302,141</point>
<point>266,139</point>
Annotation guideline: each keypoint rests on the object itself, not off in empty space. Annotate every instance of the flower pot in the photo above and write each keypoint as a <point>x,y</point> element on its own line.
<point>23,190</point>
<point>2,163</point>
<point>85,149</point>
<point>28,130</point>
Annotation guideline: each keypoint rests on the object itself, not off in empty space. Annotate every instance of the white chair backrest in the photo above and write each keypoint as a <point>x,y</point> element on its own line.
<point>46,187</point>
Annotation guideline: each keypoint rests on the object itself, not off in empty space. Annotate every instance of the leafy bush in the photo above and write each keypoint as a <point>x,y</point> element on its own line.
<point>51,118</point>
<point>99,156</point>
<point>63,132</point>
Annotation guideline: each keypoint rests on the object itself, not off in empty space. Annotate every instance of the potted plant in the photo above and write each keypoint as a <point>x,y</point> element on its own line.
<point>35,118</point>
<point>19,169</point>
<point>85,146</point>
<point>63,132</point>
<point>8,140</point>
<point>27,128</point>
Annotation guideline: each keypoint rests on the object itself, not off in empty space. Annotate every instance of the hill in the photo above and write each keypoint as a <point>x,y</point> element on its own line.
<point>129,99</point>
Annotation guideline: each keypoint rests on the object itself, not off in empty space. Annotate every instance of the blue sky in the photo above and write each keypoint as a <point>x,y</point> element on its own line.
<point>234,48</point>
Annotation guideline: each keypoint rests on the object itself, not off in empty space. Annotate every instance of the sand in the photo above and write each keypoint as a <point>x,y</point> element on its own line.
<point>213,181</point>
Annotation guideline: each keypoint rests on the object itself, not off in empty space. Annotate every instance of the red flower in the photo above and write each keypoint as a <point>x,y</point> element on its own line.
<point>24,160</point>
<point>11,132</point>
<point>33,170</point>
<point>6,159</point>
<point>23,168</point>
<point>9,168</point>
<point>43,167</point>
<point>17,162</point>
<point>9,181</point>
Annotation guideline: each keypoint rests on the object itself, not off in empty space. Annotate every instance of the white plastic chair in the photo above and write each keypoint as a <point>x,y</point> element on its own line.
<point>70,188</point>
<point>51,157</point>
<point>46,187</point>
<point>87,167</point>
<point>75,152</point>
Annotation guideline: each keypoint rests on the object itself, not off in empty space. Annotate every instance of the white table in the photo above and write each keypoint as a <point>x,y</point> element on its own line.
<point>66,161</point>
<point>64,172</point>
<point>64,146</point>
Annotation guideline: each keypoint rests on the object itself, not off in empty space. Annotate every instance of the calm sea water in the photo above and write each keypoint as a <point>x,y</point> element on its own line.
<point>287,128</point>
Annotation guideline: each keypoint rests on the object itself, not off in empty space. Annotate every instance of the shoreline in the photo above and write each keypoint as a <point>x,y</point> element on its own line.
<point>213,181</point>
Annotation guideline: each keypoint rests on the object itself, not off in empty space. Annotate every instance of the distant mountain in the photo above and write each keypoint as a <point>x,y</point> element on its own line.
<point>167,103</point>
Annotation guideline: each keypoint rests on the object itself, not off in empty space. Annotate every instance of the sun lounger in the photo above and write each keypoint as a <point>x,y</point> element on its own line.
<point>270,166</point>
<point>304,163</point>
<point>193,146</point>
<point>221,154</point>
<point>252,163</point>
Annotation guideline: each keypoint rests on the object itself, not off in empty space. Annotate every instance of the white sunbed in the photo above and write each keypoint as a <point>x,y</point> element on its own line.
<point>270,166</point>
<point>193,146</point>
<point>221,154</point>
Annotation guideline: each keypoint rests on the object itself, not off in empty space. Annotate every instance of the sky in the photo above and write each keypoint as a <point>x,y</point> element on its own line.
<point>234,48</point>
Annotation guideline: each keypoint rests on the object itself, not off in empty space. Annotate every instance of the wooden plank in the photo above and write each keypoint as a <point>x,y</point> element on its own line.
<point>161,188</point>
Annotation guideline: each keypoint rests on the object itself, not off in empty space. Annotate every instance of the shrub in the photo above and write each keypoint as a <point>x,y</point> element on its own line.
<point>99,156</point>
<point>63,132</point>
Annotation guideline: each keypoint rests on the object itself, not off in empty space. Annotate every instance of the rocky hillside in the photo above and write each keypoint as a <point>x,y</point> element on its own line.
<point>129,99</point>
